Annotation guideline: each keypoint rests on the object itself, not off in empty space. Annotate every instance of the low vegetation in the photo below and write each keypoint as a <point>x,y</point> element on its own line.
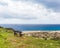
<point>8,40</point>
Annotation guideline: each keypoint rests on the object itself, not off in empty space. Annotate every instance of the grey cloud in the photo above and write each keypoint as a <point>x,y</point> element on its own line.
<point>3,4</point>
<point>53,4</point>
<point>17,16</point>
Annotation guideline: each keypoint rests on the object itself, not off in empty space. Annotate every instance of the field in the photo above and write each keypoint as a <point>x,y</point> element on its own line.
<point>8,40</point>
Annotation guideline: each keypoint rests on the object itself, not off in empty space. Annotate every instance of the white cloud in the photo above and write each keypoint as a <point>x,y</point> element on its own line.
<point>27,13</point>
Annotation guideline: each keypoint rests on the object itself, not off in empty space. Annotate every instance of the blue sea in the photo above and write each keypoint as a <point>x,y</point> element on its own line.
<point>32,27</point>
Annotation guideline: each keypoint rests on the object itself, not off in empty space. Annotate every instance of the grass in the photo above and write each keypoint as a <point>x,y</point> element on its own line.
<point>8,40</point>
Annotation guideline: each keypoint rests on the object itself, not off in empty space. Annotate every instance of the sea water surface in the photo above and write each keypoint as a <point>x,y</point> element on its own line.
<point>32,27</point>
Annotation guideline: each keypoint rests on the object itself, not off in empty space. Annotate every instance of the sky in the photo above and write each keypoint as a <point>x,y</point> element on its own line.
<point>29,11</point>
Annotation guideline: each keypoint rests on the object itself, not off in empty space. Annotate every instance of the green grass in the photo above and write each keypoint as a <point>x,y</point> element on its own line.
<point>8,40</point>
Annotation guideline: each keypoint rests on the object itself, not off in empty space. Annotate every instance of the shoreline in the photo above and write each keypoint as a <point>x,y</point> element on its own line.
<point>32,31</point>
<point>41,31</point>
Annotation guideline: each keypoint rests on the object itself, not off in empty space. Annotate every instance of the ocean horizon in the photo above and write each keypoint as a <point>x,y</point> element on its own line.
<point>32,27</point>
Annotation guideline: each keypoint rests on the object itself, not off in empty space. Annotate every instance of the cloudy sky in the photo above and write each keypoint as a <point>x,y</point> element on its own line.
<point>29,11</point>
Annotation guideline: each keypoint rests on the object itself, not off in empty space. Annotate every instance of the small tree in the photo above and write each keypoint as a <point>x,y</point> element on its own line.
<point>20,33</point>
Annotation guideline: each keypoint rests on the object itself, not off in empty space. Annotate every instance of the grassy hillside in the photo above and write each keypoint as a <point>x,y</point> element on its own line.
<point>8,40</point>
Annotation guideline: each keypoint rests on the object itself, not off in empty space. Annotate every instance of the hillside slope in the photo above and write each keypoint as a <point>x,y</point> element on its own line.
<point>8,40</point>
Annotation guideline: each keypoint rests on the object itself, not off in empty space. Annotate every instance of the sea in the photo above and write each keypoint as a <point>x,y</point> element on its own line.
<point>32,27</point>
